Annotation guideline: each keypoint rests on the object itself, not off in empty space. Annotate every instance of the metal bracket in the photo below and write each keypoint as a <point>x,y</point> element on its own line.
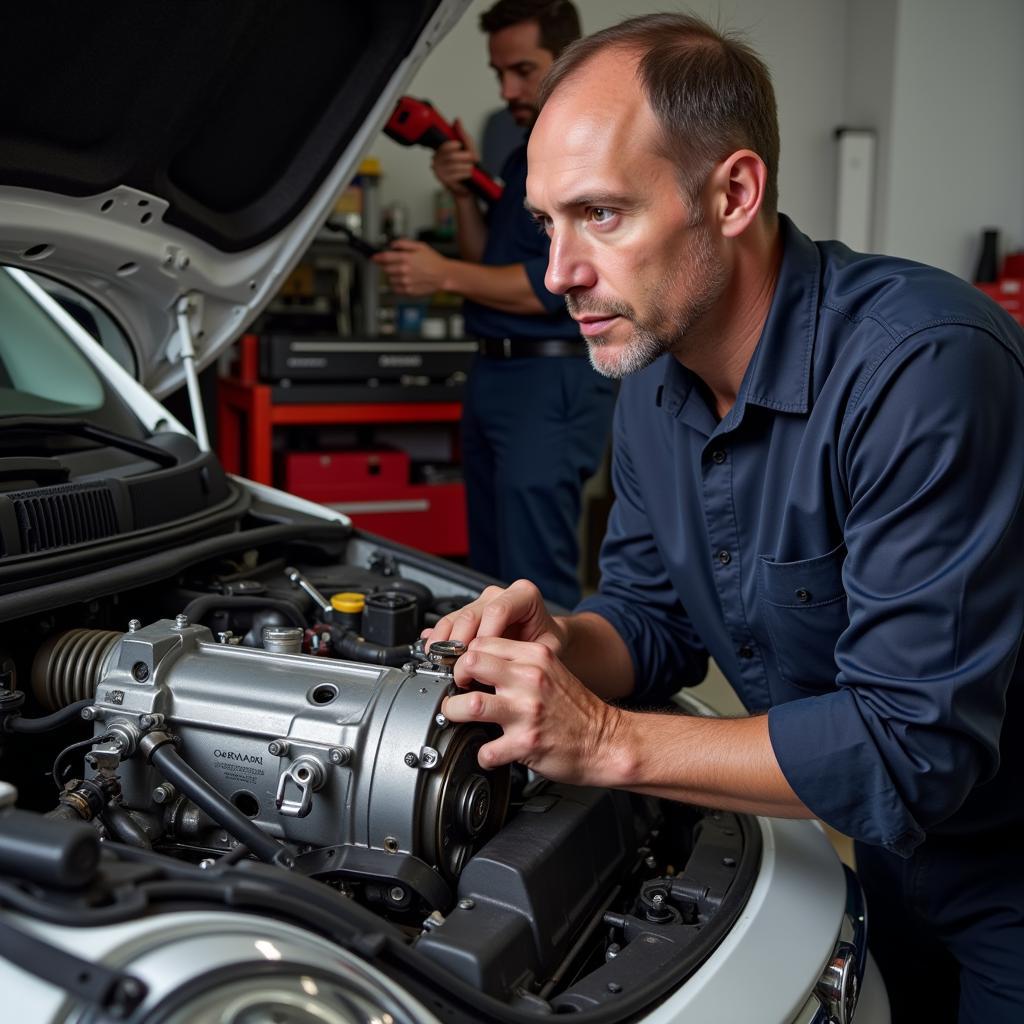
<point>307,774</point>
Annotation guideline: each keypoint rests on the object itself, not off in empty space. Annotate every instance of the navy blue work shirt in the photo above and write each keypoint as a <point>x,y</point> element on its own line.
<point>847,543</point>
<point>513,237</point>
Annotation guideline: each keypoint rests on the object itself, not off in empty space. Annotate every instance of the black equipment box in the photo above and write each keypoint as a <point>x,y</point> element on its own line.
<point>326,359</point>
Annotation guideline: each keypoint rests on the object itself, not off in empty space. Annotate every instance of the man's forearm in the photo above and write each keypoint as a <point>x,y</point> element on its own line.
<point>471,228</point>
<point>504,288</point>
<point>595,653</point>
<point>727,763</point>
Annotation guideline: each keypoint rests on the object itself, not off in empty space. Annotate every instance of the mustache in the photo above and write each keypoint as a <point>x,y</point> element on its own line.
<point>594,305</point>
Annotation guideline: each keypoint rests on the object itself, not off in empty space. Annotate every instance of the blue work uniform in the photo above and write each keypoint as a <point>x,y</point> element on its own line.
<point>848,544</point>
<point>534,427</point>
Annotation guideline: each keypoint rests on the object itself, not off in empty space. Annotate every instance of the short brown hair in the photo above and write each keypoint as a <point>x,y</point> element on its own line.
<point>711,93</point>
<point>557,20</point>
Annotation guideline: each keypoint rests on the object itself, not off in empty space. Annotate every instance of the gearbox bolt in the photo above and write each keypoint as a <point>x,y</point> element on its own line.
<point>396,894</point>
<point>163,793</point>
<point>340,755</point>
<point>440,719</point>
<point>466,903</point>
<point>411,759</point>
<point>180,621</point>
<point>278,748</point>
<point>134,626</point>
<point>89,713</point>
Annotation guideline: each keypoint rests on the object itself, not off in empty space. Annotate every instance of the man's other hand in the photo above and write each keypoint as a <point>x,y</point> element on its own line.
<point>517,612</point>
<point>550,721</point>
<point>453,161</point>
<point>413,268</point>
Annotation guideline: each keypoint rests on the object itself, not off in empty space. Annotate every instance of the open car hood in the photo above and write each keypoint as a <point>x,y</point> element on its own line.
<point>155,153</point>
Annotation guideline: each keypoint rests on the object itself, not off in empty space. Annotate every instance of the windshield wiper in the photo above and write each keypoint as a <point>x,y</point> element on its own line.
<point>90,432</point>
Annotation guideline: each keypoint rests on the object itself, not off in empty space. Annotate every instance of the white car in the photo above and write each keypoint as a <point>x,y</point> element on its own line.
<point>229,794</point>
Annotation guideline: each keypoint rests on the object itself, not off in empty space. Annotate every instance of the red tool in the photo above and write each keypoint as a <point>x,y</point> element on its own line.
<point>417,123</point>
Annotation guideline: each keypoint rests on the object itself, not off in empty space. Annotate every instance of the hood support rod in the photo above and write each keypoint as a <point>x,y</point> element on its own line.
<point>188,359</point>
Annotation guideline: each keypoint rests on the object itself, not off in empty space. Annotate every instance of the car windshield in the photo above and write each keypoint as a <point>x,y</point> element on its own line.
<point>41,371</point>
<point>44,373</point>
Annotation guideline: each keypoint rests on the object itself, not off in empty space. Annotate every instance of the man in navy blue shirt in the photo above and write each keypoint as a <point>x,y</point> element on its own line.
<point>536,416</point>
<point>819,477</point>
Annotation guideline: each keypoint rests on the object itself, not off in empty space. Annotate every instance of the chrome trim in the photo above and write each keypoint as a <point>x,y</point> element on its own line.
<point>835,995</point>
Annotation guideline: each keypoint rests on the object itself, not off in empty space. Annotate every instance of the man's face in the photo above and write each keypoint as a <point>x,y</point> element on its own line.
<point>636,261</point>
<point>520,64</point>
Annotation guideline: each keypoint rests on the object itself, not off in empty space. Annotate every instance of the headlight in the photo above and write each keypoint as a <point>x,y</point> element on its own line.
<point>294,996</point>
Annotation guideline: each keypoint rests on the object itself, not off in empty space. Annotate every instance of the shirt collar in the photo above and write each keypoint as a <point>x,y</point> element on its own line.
<point>779,374</point>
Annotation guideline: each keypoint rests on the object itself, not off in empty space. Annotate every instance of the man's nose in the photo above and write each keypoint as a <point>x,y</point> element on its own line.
<point>568,267</point>
<point>510,88</point>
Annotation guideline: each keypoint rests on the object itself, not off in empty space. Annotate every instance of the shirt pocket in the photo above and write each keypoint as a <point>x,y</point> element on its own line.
<point>805,611</point>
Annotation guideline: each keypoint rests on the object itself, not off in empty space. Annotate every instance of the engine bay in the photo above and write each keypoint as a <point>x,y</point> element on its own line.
<point>274,704</point>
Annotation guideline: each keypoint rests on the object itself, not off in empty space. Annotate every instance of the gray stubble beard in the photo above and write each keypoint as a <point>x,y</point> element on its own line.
<point>647,342</point>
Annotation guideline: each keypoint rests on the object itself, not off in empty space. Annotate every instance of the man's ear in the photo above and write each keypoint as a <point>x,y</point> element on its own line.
<point>738,187</point>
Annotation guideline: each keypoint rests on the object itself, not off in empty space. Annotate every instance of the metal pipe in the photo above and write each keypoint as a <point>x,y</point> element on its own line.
<point>201,793</point>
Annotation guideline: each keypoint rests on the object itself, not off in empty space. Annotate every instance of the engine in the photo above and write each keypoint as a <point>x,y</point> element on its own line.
<point>245,717</point>
<point>352,766</point>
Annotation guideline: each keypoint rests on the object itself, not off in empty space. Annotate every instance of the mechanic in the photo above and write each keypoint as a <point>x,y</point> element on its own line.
<point>818,482</point>
<point>536,417</point>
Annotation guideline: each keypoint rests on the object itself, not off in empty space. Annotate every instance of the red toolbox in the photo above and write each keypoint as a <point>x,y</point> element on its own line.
<point>373,488</point>
<point>1009,293</point>
<point>319,475</point>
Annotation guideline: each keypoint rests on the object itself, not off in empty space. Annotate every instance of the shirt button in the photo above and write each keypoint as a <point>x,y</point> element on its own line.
<point>746,652</point>
<point>803,596</point>
<point>724,557</point>
<point>718,456</point>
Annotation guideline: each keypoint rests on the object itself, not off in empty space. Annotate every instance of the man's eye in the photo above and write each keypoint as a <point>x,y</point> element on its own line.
<point>543,224</point>
<point>601,215</point>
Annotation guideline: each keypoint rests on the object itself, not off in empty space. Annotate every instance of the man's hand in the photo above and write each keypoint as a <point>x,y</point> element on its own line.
<point>517,613</point>
<point>413,268</point>
<point>553,724</point>
<point>550,721</point>
<point>453,162</point>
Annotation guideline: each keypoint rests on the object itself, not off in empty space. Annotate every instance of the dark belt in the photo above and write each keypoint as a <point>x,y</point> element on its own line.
<point>517,348</point>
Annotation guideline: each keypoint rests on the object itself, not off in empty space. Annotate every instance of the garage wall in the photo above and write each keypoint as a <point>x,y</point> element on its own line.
<point>802,41</point>
<point>941,81</point>
<point>956,154</point>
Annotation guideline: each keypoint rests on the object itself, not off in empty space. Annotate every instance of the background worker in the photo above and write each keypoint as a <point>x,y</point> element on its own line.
<point>818,482</point>
<point>536,416</point>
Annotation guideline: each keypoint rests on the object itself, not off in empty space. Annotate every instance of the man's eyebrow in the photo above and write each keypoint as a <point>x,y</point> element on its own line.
<point>615,200</point>
<point>520,65</point>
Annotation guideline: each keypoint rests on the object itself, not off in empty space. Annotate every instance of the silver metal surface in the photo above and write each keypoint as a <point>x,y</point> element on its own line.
<point>312,749</point>
<point>298,580</point>
<point>282,639</point>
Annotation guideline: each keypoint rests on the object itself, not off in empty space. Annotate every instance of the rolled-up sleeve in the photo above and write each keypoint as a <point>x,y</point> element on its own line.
<point>636,595</point>
<point>931,452</point>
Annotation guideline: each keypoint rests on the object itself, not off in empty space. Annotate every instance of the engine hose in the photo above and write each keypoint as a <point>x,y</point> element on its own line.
<point>68,665</point>
<point>15,723</point>
<point>353,647</point>
<point>124,827</point>
<point>201,793</point>
<point>200,607</point>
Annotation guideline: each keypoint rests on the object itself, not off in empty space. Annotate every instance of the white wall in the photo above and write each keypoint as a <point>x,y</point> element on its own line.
<point>941,81</point>
<point>801,40</point>
<point>957,136</point>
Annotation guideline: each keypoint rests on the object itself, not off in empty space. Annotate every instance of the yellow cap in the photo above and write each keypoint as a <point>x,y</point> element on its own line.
<point>348,602</point>
<point>370,167</point>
